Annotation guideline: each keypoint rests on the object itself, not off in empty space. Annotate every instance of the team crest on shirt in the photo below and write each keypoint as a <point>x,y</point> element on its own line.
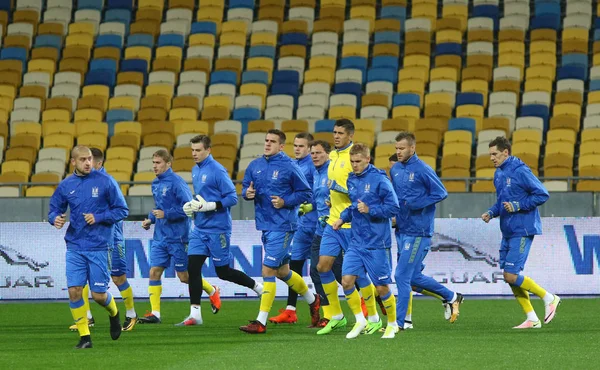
<point>411,177</point>
<point>324,182</point>
<point>164,191</point>
<point>275,175</point>
<point>367,188</point>
<point>203,178</point>
<point>508,181</point>
<point>95,192</point>
<point>342,164</point>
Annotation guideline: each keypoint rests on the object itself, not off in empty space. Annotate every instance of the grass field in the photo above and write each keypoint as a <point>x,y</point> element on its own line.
<point>36,336</point>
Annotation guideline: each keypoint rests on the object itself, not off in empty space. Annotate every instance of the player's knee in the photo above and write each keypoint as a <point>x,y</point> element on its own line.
<point>119,280</point>
<point>510,278</point>
<point>324,266</point>
<point>382,290</point>
<point>75,293</point>
<point>222,272</point>
<point>99,298</point>
<point>156,273</point>
<point>348,282</point>
<point>184,277</point>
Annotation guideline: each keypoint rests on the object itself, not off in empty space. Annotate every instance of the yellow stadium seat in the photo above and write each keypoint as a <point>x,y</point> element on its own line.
<point>528,136</point>
<point>319,75</point>
<point>530,154</point>
<point>118,165</point>
<point>443,73</point>
<point>59,141</point>
<point>100,92</point>
<point>384,150</point>
<point>122,102</point>
<point>398,124</point>
<point>456,155</point>
<point>51,128</point>
<point>17,166</point>
<point>406,111</point>
<point>139,52</point>
<point>124,127</point>
<point>355,50</point>
<point>589,165</point>
<point>565,121</point>
<point>478,86</point>
<point>84,28</point>
<point>185,127</point>
<point>217,101</point>
<point>88,115</point>
<point>558,159</point>
<point>121,153</point>
<point>538,84</point>
<point>569,109</point>
<point>425,136</point>
<point>165,90</point>
<point>342,112</point>
<point>254,89</point>
<point>458,136</point>
<point>39,191</point>
<point>204,39</point>
<point>92,140</point>
<point>89,127</point>
<point>57,115</point>
<point>590,135</point>
<point>561,135</point>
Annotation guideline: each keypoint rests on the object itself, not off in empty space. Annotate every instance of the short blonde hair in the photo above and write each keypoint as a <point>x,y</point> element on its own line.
<point>165,155</point>
<point>360,148</point>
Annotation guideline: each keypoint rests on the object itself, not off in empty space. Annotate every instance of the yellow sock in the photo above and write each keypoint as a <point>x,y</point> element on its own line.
<point>85,295</point>
<point>268,296</point>
<point>522,297</point>
<point>368,293</point>
<point>155,291</point>
<point>297,284</point>
<point>326,312</point>
<point>110,305</point>
<point>354,302</point>
<point>531,286</point>
<point>390,307</point>
<point>410,302</point>
<point>127,295</point>
<point>431,294</point>
<point>79,313</point>
<point>331,289</point>
<point>207,287</point>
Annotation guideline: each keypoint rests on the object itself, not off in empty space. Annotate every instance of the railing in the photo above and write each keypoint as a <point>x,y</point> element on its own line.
<point>467,180</point>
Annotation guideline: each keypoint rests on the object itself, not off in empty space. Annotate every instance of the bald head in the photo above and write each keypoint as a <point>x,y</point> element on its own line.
<point>81,159</point>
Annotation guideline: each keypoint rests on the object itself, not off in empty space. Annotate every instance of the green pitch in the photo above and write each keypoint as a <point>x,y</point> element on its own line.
<point>36,336</point>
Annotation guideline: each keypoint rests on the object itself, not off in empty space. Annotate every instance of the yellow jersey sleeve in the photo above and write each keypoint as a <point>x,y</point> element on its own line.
<point>338,171</point>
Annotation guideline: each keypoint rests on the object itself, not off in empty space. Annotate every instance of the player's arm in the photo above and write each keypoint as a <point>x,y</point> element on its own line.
<point>58,204</point>
<point>301,191</point>
<point>248,179</point>
<point>436,192</point>
<point>183,195</point>
<point>536,193</point>
<point>117,207</point>
<point>229,197</point>
<point>494,211</point>
<point>389,206</point>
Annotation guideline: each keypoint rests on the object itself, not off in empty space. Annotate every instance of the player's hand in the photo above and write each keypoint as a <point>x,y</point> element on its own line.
<point>393,221</point>
<point>158,213</point>
<point>486,217</point>
<point>336,225</point>
<point>59,221</point>
<point>89,218</point>
<point>277,201</point>
<point>251,192</point>
<point>512,206</point>
<point>323,221</point>
<point>305,208</point>
<point>204,205</point>
<point>362,207</point>
<point>146,224</point>
<point>187,209</point>
<point>328,203</point>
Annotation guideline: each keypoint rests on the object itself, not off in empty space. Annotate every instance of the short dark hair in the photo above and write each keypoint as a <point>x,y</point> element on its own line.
<point>279,133</point>
<point>204,139</point>
<point>97,155</point>
<point>394,157</point>
<point>304,135</point>
<point>346,124</point>
<point>360,148</point>
<point>326,146</point>
<point>408,136</point>
<point>501,143</point>
<point>164,154</point>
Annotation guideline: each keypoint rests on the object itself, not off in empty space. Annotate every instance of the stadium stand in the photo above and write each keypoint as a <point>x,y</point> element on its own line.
<point>131,76</point>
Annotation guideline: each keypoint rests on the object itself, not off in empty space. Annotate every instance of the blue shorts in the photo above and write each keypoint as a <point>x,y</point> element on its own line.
<point>376,262</point>
<point>333,242</point>
<point>215,246</point>
<point>277,248</point>
<point>514,253</point>
<point>118,260</point>
<point>92,266</point>
<point>301,244</point>
<point>162,252</point>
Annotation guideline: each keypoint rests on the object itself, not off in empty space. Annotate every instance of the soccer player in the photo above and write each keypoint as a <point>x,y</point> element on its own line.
<point>336,241</point>
<point>118,272</point>
<point>374,203</point>
<point>319,151</point>
<point>215,195</point>
<point>307,223</point>
<point>277,187</point>
<point>171,232</point>
<point>519,193</point>
<point>96,204</point>
<point>418,189</point>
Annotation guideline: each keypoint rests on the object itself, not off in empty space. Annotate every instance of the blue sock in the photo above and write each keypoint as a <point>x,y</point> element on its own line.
<point>288,277</point>
<point>123,286</point>
<point>327,277</point>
